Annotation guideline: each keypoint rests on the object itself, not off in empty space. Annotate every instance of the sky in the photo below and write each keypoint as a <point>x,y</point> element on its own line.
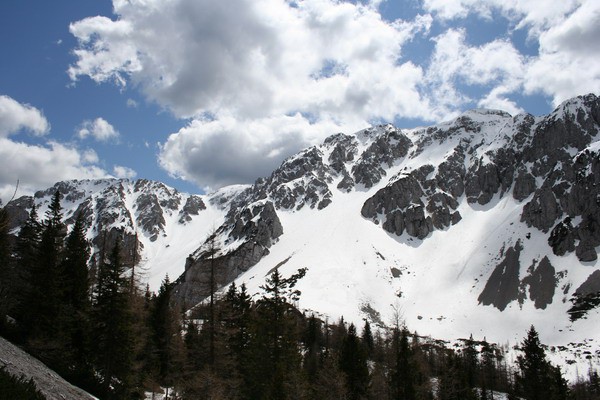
<point>201,93</point>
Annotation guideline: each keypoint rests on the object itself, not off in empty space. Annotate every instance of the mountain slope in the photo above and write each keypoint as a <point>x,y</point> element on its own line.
<point>485,224</point>
<point>485,221</point>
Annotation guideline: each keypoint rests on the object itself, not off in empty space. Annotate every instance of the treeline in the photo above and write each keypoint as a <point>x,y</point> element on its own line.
<point>98,330</point>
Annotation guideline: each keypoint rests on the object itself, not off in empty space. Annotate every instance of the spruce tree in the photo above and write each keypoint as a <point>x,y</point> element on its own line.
<point>274,353</point>
<point>353,363</point>
<point>312,345</point>
<point>537,378</point>
<point>74,316</point>
<point>26,260</point>
<point>165,335</point>
<point>403,372</point>
<point>45,277</point>
<point>7,276</point>
<point>367,339</point>
<point>113,327</point>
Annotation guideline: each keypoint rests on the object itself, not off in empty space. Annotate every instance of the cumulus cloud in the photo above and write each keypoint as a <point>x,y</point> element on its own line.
<point>29,164</point>
<point>99,129</point>
<point>124,172</point>
<point>15,117</point>
<point>237,151</point>
<point>569,53</point>
<point>522,13</point>
<point>496,67</point>
<point>268,67</point>
<point>259,83</point>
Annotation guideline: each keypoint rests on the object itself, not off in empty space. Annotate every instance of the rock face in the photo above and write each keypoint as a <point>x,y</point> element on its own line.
<point>52,386</point>
<point>503,285</point>
<point>541,175</point>
<point>542,284</point>
<point>586,297</point>
<point>112,210</point>
<point>251,231</point>
<point>388,147</point>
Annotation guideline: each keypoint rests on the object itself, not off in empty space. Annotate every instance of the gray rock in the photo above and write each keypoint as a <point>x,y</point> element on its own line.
<point>502,286</point>
<point>590,286</point>
<point>150,215</point>
<point>524,184</point>
<point>257,226</point>
<point>18,211</point>
<point>440,208</point>
<point>193,205</point>
<point>386,149</point>
<point>562,238</point>
<point>451,174</point>
<point>416,223</point>
<point>542,284</point>
<point>19,363</point>
<point>542,211</point>
<point>482,182</point>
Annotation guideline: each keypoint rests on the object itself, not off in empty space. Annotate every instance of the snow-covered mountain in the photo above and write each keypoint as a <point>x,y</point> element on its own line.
<point>482,225</point>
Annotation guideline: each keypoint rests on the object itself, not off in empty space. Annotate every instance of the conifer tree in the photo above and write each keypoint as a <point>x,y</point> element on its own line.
<point>537,378</point>
<point>312,344</point>
<point>113,326</point>
<point>275,355</point>
<point>353,363</point>
<point>403,375</point>
<point>165,335</point>
<point>45,296</point>
<point>367,339</point>
<point>470,361</point>
<point>74,268</point>
<point>74,316</point>
<point>26,258</point>
<point>7,295</point>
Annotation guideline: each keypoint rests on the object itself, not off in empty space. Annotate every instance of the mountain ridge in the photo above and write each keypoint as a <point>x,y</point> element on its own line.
<point>485,220</point>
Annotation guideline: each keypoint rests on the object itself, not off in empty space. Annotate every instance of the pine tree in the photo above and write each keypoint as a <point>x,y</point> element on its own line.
<point>470,361</point>
<point>26,260</point>
<point>274,353</point>
<point>313,356</point>
<point>353,363</point>
<point>367,339</point>
<point>75,268</point>
<point>113,326</point>
<point>74,316</point>
<point>403,371</point>
<point>165,335</point>
<point>45,277</point>
<point>7,276</point>
<point>537,378</point>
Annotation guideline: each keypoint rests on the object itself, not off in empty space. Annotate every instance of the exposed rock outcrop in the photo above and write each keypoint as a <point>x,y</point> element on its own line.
<point>542,284</point>
<point>502,286</point>
<point>255,227</point>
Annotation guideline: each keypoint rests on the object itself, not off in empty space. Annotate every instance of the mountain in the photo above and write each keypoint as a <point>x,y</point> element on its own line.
<point>482,225</point>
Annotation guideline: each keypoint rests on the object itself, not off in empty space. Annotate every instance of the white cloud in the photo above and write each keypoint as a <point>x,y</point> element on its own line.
<point>99,129</point>
<point>90,156</point>
<point>212,153</point>
<point>495,67</point>
<point>131,103</point>
<point>523,13</point>
<point>276,75</point>
<point>15,116</point>
<point>124,172</point>
<point>29,164</point>
<point>569,53</point>
<point>335,63</point>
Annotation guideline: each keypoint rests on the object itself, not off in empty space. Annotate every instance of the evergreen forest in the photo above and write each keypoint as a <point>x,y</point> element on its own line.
<point>96,327</point>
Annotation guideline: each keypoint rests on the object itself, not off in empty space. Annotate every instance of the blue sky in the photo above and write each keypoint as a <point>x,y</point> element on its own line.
<point>201,94</point>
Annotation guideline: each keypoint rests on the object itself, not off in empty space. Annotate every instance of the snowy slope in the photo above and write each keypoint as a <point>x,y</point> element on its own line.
<point>482,225</point>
